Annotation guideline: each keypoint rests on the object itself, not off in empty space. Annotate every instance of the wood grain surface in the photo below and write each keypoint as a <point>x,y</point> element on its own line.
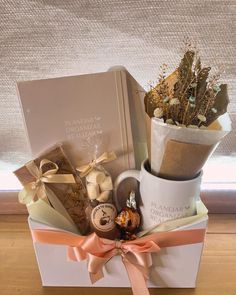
<point>19,272</point>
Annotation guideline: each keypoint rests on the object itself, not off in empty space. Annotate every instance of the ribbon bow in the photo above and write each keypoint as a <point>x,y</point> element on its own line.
<point>136,255</point>
<point>37,188</point>
<point>136,258</point>
<point>104,158</point>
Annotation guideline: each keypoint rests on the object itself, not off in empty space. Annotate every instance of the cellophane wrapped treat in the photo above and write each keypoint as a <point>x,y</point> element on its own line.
<point>53,191</point>
<point>100,211</point>
<point>128,219</point>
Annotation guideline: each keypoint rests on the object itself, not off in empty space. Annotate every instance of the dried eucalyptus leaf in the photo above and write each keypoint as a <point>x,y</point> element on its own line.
<point>220,104</point>
<point>222,100</point>
<point>202,82</point>
<point>186,64</point>
<point>198,65</point>
<point>185,73</point>
<point>149,102</point>
<point>146,101</point>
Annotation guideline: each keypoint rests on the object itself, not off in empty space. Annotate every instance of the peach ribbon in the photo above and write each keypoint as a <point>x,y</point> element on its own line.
<point>136,254</point>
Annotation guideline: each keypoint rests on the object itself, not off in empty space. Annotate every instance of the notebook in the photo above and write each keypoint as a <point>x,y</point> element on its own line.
<point>102,109</point>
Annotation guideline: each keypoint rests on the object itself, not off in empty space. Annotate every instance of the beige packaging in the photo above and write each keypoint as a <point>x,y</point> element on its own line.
<point>73,109</point>
<point>69,199</point>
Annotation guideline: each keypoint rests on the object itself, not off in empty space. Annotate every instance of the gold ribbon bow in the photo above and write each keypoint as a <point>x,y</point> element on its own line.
<point>104,158</point>
<point>37,188</point>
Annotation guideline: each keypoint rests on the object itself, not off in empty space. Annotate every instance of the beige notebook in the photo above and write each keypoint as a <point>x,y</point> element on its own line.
<point>73,109</point>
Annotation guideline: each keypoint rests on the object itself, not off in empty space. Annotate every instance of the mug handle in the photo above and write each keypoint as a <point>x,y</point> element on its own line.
<point>124,175</point>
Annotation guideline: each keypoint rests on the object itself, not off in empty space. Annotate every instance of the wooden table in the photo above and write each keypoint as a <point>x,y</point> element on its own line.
<point>19,272</point>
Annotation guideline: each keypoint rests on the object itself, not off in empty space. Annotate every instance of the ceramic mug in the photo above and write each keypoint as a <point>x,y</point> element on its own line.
<point>162,199</point>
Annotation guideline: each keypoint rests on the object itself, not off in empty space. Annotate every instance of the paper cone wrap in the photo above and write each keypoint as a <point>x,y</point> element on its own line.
<point>179,153</point>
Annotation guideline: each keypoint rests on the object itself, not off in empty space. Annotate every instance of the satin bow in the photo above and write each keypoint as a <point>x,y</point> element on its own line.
<point>104,158</point>
<point>136,255</point>
<point>36,189</point>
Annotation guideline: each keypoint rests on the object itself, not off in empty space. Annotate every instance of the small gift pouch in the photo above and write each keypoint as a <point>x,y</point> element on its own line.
<point>100,211</point>
<point>98,180</point>
<point>52,192</point>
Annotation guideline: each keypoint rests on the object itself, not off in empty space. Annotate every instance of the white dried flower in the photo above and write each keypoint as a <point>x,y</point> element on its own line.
<point>192,99</point>
<point>193,85</point>
<point>166,99</point>
<point>201,118</point>
<point>214,110</point>
<point>174,101</point>
<point>216,88</point>
<point>158,113</point>
<point>170,121</point>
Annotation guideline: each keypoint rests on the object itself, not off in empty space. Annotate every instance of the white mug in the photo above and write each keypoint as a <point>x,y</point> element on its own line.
<point>162,199</point>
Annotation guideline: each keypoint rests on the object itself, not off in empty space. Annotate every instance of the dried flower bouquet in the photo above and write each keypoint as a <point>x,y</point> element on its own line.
<point>190,98</point>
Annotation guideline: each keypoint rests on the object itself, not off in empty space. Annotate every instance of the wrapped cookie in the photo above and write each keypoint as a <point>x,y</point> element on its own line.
<point>53,192</point>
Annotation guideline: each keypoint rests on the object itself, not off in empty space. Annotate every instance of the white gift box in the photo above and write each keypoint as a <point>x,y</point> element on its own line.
<point>174,267</point>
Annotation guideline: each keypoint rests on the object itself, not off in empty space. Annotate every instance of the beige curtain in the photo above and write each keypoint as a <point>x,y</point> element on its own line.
<point>42,39</point>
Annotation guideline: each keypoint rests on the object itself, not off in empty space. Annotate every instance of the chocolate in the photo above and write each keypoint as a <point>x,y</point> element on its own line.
<point>128,219</point>
<point>102,220</point>
<point>94,203</point>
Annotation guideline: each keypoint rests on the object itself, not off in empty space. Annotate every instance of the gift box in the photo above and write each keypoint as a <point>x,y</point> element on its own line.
<point>174,265</point>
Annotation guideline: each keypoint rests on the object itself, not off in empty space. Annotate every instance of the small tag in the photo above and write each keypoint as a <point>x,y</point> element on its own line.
<point>103,216</point>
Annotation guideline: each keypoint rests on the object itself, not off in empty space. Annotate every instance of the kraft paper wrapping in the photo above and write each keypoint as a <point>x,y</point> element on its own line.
<point>178,152</point>
<point>68,200</point>
<point>186,160</point>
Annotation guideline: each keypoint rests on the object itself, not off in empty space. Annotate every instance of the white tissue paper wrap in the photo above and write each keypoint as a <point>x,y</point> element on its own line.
<point>162,133</point>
